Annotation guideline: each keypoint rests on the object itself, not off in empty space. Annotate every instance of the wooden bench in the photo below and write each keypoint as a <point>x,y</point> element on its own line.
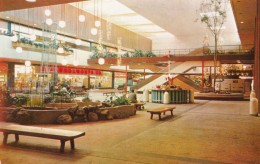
<point>161,110</point>
<point>138,106</point>
<point>62,135</point>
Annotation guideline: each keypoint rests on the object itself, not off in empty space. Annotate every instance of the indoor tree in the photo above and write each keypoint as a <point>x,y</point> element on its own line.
<point>213,14</point>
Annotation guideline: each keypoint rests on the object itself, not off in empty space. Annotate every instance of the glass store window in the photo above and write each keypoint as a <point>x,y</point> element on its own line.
<point>27,79</point>
<point>99,82</point>
<point>120,80</point>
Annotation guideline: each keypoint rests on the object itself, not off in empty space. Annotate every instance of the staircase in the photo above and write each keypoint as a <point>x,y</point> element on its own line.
<point>146,81</point>
<point>186,83</point>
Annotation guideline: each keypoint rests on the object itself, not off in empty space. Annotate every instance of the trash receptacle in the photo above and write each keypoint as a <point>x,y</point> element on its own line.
<point>146,95</point>
<point>191,96</point>
<point>166,98</point>
<point>253,109</point>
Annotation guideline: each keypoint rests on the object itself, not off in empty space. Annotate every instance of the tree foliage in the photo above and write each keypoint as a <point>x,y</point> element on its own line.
<point>213,14</point>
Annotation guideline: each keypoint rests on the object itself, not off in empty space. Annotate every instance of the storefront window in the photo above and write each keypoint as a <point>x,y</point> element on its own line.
<point>27,79</point>
<point>120,79</point>
<point>75,81</point>
<point>104,81</point>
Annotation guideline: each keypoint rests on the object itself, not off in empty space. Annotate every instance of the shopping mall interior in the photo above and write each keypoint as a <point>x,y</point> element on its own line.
<point>129,81</point>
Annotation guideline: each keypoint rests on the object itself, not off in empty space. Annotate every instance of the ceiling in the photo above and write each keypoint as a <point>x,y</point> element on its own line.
<point>123,16</point>
<point>7,5</point>
<point>245,13</point>
<point>171,24</point>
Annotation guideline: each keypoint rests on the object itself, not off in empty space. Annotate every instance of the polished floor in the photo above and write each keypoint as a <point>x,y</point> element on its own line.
<point>203,132</point>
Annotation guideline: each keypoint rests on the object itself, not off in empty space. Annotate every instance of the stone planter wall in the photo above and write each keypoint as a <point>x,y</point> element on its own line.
<point>61,105</point>
<point>122,111</point>
<point>46,116</point>
<point>82,104</point>
<point>66,116</point>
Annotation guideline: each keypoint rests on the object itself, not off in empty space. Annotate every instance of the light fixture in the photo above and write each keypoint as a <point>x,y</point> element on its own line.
<point>75,62</point>
<point>31,0</point>
<point>14,38</point>
<point>60,50</point>
<point>241,22</point>
<point>94,31</point>
<point>62,24</point>
<point>27,63</point>
<point>64,61</point>
<point>101,61</point>
<point>19,50</point>
<point>97,23</point>
<point>47,12</point>
<point>82,18</point>
<point>33,37</point>
<point>78,42</point>
<point>49,21</point>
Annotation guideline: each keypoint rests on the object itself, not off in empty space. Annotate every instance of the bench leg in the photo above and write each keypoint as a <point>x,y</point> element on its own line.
<point>16,137</point>
<point>5,138</point>
<point>62,146</point>
<point>159,116</point>
<point>72,144</point>
<point>171,113</point>
<point>164,113</point>
<point>151,115</point>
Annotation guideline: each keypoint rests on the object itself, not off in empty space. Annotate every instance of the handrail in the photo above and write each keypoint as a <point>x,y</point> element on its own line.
<point>209,50</point>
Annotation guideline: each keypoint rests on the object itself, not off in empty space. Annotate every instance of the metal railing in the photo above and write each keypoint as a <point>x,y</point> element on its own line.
<point>209,50</point>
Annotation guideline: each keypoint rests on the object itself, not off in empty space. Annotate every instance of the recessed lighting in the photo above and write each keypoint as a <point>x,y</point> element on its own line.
<point>241,22</point>
<point>35,24</point>
<point>31,0</point>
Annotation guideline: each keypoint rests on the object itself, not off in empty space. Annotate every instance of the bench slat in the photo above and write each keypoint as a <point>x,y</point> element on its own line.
<point>41,132</point>
<point>161,109</point>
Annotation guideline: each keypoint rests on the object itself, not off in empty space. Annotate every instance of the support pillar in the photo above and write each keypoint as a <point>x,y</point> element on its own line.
<point>257,54</point>
<point>126,78</point>
<point>202,78</point>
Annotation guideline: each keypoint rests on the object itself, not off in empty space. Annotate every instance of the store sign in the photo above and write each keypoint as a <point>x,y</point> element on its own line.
<point>120,75</point>
<point>77,71</point>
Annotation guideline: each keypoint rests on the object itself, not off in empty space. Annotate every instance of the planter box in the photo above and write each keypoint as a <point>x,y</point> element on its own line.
<point>46,116</point>
<point>61,105</point>
<point>122,111</point>
<point>82,104</point>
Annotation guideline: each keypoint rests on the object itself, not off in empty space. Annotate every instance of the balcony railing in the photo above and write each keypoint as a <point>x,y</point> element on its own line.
<point>209,50</point>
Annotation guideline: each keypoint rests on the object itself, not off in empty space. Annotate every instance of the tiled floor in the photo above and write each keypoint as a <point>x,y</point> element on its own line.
<point>203,132</point>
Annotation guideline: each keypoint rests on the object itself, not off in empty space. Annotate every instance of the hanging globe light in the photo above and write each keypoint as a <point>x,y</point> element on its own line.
<point>64,61</point>
<point>27,63</point>
<point>101,61</point>
<point>31,0</point>
<point>49,21</point>
<point>94,31</point>
<point>82,18</point>
<point>14,38</point>
<point>33,37</point>
<point>19,50</point>
<point>75,62</point>
<point>62,24</point>
<point>97,23</point>
<point>60,50</point>
<point>47,12</point>
<point>78,42</point>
